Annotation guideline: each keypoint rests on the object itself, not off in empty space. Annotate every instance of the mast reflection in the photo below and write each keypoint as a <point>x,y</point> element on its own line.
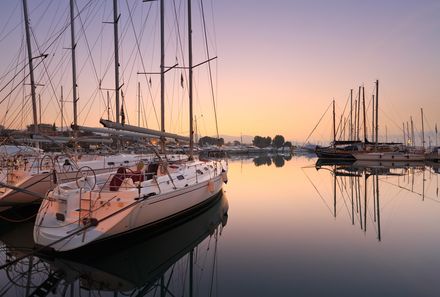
<point>360,184</point>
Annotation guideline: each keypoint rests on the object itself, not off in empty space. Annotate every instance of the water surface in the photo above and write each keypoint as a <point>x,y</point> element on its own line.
<point>292,229</point>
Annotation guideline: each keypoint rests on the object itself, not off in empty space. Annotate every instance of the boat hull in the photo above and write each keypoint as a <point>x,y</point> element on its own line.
<point>389,156</point>
<point>122,219</point>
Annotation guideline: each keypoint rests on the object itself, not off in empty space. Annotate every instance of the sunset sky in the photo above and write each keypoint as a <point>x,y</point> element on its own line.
<point>279,65</point>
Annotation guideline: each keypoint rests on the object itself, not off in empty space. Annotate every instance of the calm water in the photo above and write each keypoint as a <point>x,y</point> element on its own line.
<point>291,229</point>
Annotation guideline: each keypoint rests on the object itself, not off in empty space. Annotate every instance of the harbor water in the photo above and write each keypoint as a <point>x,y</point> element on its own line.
<point>284,226</point>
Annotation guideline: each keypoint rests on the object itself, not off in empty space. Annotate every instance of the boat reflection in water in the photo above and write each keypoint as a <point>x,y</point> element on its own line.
<point>358,184</point>
<point>167,263</point>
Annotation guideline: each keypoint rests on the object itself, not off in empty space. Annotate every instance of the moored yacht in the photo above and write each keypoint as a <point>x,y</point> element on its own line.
<point>104,206</point>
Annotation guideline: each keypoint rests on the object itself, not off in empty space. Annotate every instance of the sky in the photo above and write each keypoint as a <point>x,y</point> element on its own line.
<point>279,63</point>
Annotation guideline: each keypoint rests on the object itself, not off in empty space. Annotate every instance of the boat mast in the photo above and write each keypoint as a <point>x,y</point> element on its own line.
<point>31,67</point>
<point>372,120</point>
<point>358,115</point>
<point>74,84</point>
<point>365,120</point>
<point>62,111</point>
<point>355,121</point>
<point>190,61</point>
<point>139,104</point>
<point>377,112</point>
<point>162,73</point>
<point>423,129</point>
<point>108,105</point>
<point>334,125</point>
<point>436,138</point>
<point>39,109</point>
<point>404,135</point>
<point>351,114</point>
<point>115,31</point>
<point>413,140</point>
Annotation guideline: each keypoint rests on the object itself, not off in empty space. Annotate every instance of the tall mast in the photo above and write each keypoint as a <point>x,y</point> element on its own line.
<point>404,135</point>
<point>115,31</point>
<point>108,106</point>
<point>334,125</point>
<point>162,73</point>
<point>139,104</point>
<point>31,66</point>
<point>73,44</point>
<point>62,109</point>
<point>39,109</point>
<point>423,129</point>
<point>351,114</point>
<point>355,121</point>
<point>436,138</point>
<point>365,115</point>
<point>413,140</point>
<point>377,112</point>
<point>359,114</point>
<point>190,61</point>
<point>372,120</point>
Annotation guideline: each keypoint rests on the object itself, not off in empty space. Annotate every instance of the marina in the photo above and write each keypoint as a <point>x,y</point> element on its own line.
<point>219,148</point>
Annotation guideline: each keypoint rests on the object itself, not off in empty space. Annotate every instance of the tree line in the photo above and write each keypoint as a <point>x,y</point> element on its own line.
<point>277,142</point>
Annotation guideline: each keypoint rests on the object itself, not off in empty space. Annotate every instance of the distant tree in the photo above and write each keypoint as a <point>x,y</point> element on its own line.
<point>54,128</point>
<point>288,144</point>
<point>261,142</point>
<point>236,142</point>
<point>211,141</point>
<point>278,141</point>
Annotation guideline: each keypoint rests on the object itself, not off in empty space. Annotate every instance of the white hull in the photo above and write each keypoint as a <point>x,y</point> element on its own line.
<point>152,256</point>
<point>123,211</point>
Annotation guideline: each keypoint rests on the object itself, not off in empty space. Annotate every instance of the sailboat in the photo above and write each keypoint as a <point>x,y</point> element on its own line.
<point>100,207</point>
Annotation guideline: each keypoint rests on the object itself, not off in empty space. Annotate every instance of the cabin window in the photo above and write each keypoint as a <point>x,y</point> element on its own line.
<point>180,177</point>
<point>111,163</point>
<point>206,168</point>
<point>199,171</point>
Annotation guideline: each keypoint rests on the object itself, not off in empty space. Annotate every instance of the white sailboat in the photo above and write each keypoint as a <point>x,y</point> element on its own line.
<point>103,206</point>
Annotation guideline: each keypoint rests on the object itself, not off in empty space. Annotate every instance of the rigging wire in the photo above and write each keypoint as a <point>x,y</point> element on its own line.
<point>89,56</point>
<point>2,100</point>
<point>209,67</point>
<point>46,71</point>
<point>4,26</point>
<point>141,57</point>
<point>317,123</point>
<point>319,193</point>
<point>340,122</point>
